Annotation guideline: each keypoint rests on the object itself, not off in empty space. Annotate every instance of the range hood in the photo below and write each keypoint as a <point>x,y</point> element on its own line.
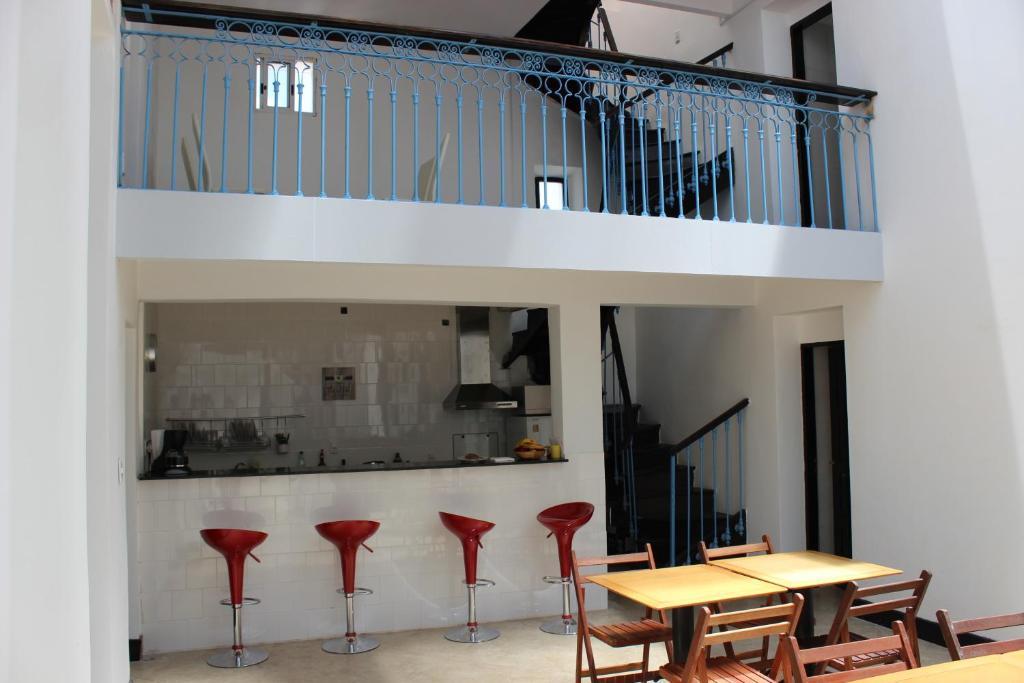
<point>474,390</point>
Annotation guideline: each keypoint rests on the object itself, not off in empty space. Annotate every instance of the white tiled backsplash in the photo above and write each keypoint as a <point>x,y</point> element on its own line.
<point>253,359</point>
<point>415,570</point>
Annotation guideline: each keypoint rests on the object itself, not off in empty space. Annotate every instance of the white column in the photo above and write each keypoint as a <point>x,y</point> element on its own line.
<point>43,302</point>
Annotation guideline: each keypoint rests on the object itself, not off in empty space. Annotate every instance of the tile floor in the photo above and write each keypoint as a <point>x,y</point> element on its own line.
<point>522,654</point>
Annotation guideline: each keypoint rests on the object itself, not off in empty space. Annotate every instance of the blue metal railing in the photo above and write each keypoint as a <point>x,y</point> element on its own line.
<point>254,106</point>
<point>712,460</point>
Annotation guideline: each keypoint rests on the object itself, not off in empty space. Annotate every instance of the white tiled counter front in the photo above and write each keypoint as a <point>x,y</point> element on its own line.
<point>415,570</point>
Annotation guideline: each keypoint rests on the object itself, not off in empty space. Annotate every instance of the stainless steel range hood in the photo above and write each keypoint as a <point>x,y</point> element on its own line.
<point>474,390</point>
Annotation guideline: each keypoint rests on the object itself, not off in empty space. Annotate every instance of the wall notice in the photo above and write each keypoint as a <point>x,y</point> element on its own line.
<point>339,384</point>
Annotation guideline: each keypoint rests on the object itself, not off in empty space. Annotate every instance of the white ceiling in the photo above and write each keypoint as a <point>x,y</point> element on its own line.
<point>489,17</point>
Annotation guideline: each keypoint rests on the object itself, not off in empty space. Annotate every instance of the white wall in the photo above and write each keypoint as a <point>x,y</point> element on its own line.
<point>937,387</point>
<point>105,376</point>
<point>191,225</point>
<point>46,570</point>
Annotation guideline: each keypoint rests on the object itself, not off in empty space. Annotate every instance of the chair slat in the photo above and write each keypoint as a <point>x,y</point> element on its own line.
<point>732,635</point>
<point>989,623</point>
<point>883,606</point>
<point>755,613</point>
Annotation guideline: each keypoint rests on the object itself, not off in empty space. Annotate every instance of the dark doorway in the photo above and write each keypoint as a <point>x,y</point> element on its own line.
<point>826,448</point>
<point>814,59</point>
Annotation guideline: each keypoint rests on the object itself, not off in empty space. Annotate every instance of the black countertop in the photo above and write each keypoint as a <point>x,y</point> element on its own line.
<point>354,467</point>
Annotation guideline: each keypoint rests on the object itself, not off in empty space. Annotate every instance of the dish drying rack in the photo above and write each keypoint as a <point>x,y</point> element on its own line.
<point>232,433</point>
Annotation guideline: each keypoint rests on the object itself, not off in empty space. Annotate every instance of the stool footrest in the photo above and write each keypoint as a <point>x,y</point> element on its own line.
<point>557,579</point>
<point>486,583</point>
<point>357,591</point>
<point>245,601</point>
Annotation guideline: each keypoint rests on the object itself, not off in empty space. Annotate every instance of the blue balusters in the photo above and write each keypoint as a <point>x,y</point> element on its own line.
<point>778,172</point>
<point>810,171</point>
<point>741,524</point>
<point>689,503</point>
<point>224,130</point>
<point>369,138</point>
<point>437,148</point>
<point>544,147</point>
<point>501,148</point>
<point>764,176</point>
<point>445,66</point>
<point>299,88</point>
<point>145,132</point>
<point>277,101</point>
<point>828,183</point>
<point>393,94</point>
<point>871,165</point>
<point>700,484</point>
<point>727,535</point>
<point>604,162</point>
<point>583,152</point>
<point>323,135</point>
<point>174,125</point>
<point>714,487</point>
<point>622,157</point>
<point>480,142</point>
<point>672,469</point>
<point>522,143</point>
<point>415,142</point>
<point>348,141</point>
<point>565,162</point>
<point>458,106</point>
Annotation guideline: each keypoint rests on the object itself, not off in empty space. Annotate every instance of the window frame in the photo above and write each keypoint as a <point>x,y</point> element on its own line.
<point>263,85</point>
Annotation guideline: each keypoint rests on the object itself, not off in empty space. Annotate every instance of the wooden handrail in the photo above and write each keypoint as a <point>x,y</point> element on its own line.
<point>197,15</point>
<point>710,426</point>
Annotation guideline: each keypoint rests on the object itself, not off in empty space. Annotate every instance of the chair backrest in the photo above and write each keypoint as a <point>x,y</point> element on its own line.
<point>580,581</point>
<point>707,554</point>
<point>799,659</point>
<point>749,624</point>
<point>952,630</point>
<point>857,603</point>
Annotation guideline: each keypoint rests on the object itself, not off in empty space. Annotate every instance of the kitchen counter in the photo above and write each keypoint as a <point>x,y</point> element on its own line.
<point>354,467</point>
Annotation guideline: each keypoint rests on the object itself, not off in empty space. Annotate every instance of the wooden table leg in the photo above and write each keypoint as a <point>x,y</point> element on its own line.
<point>682,633</point>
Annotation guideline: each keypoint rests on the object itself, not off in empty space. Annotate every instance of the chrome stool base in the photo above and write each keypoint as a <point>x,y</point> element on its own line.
<point>560,626</point>
<point>464,634</point>
<point>249,656</point>
<point>350,646</point>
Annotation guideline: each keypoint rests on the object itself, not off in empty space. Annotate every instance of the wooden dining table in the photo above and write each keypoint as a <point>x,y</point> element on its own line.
<point>988,669</point>
<point>804,570</point>
<point>680,589</point>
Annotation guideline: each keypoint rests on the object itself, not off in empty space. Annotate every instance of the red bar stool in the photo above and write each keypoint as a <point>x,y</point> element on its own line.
<point>347,536</point>
<point>235,545</point>
<point>563,521</point>
<point>469,531</point>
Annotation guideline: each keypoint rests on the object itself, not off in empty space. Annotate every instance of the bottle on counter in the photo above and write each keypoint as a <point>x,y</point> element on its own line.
<point>302,459</point>
<point>322,462</point>
<point>397,459</point>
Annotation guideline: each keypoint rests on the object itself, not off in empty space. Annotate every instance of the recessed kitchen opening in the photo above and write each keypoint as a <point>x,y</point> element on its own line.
<point>280,387</point>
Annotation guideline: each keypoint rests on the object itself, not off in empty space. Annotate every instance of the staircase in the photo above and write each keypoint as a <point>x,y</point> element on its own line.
<point>671,495</point>
<point>652,173</point>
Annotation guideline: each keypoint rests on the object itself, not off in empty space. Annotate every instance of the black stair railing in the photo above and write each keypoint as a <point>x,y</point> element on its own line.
<point>722,436</point>
<point>620,432</point>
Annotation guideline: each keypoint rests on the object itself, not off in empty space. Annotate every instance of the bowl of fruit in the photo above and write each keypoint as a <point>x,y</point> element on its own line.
<point>528,449</point>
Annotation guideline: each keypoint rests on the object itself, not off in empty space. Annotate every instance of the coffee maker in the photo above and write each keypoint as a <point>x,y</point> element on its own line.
<point>172,461</point>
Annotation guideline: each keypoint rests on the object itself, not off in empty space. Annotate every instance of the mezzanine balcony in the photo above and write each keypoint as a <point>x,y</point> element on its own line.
<point>247,138</point>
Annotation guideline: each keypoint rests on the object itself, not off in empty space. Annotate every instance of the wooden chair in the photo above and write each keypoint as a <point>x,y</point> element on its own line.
<point>952,630</point>
<point>799,659</point>
<point>855,604</point>
<point>707,555</point>
<point>644,632</point>
<point>760,622</point>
